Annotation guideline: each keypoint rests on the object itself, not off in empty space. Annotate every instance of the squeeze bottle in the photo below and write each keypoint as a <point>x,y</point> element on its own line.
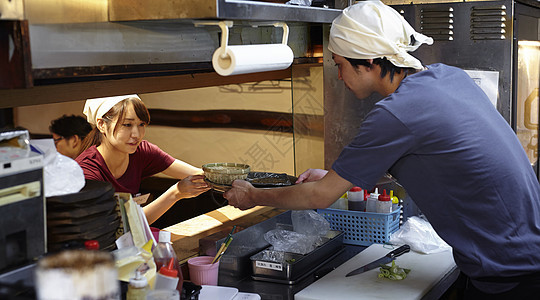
<point>371,202</point>
<point>356,199</point>
<point>395,200</point>
<point>163,254</point>
<point>340,203</point>
<point>384,204</point>
<point>137,288</point>
<point>91,245</point>
<point>167,278</point>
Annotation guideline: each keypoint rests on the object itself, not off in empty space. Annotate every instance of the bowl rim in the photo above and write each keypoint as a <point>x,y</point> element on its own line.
<point>245,168</point>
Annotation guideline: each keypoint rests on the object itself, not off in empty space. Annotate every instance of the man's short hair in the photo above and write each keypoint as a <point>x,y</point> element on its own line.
<point>386,66</point>
<point>68,126</point>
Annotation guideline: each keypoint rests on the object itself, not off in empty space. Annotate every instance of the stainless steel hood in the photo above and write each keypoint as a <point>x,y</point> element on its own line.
<point>85,34</point>
<point>130,10</point>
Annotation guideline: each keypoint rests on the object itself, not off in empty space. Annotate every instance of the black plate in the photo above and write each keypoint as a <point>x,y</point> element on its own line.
<point>108,217</point>
<point>56,206</point>
<point>97,233</point>
<point>102,209</point>
<point>266,179</point>
<point>91,190</point>
<point>114,222</point>
<point>258,180</point>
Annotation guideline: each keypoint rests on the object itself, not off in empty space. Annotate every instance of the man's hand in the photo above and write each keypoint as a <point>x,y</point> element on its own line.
<point>311,175</point>
<point>239,195</point>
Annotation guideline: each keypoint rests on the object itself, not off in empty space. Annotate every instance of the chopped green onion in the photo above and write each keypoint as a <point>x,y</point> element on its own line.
<point>393,272</point>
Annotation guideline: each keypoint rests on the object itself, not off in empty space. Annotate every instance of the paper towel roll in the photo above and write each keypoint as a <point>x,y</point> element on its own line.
<point>243,59</point>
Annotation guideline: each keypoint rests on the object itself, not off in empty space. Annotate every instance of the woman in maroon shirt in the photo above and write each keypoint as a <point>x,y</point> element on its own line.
<point>116,152</point>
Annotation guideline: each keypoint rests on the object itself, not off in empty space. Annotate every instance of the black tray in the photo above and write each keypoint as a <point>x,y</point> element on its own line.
<point>68,221</point>
<point>106,242</point>
<point>101,209</point>
<point>91,190</point>
<point>258,180</point>
<point>108,197</point>
<point>92,234</point>
<point>108,221</point>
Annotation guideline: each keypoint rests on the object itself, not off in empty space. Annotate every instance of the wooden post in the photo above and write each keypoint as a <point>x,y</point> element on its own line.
<point>15,57</point>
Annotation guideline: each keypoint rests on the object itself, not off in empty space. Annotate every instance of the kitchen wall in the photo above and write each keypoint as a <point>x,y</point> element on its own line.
<point>270,149</point>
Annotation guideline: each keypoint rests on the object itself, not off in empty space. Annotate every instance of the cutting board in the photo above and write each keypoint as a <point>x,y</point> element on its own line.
<point>426,271</point>
<point>211,292</point>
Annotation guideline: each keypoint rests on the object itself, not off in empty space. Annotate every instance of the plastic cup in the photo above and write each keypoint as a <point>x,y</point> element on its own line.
<point>163,295</point>
<point>202,271</point>
<point>155,233</point>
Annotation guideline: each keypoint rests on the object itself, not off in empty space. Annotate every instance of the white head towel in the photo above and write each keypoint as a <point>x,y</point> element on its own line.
<point>94,109</point>
<point>371,29</point>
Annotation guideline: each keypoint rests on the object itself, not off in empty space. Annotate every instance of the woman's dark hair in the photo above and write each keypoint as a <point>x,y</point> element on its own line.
<point>386,66</point>
<point>68,126</point>
<point>117,112</point>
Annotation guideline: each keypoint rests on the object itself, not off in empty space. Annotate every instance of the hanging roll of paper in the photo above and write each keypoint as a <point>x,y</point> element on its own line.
<point>241,59</point>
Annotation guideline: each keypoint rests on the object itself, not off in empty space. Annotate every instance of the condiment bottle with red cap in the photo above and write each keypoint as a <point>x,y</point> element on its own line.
<point>356,199</point>
<point>384,204</point>
<point>91,245</point>
<point>167,277</point>
<point>164,252</point>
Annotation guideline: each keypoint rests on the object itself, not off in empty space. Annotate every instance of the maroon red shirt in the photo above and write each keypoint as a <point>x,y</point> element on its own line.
<point>147,160</point>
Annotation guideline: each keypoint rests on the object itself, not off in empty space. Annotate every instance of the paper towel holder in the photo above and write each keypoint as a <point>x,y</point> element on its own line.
<point>224,25</point>
<point>241,59</point>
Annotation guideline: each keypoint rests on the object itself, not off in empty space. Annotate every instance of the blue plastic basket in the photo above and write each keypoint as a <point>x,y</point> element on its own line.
<point>362,228</point>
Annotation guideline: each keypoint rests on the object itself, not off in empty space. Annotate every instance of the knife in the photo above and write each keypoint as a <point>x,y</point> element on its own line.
<point>381,261</point>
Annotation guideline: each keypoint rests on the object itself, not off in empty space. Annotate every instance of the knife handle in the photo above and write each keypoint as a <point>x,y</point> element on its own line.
<point>399,251</point>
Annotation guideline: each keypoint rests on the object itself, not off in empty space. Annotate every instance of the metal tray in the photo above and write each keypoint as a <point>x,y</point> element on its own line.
<point>290,267</point>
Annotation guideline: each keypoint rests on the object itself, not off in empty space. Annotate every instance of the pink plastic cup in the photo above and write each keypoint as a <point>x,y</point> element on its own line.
<point>155,233</point>
<point>202,271</point>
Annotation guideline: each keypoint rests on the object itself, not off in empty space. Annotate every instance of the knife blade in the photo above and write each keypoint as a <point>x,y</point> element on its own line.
<point>381,261</point>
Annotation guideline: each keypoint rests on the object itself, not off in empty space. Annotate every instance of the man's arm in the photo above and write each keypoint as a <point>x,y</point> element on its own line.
<point>307,195</point>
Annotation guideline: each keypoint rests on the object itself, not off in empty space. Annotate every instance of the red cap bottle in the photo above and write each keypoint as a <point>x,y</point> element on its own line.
<point>384,204</point>
<point>91,245</point>
<point>384,197</point>
<point>167,278</point>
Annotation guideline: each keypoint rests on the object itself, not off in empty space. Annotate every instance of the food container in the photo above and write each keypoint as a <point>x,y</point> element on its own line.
<point>225,173</point>
<point>289,268</point>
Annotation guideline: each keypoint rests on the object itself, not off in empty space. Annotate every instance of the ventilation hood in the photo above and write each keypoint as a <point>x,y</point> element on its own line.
<point>130,10</point>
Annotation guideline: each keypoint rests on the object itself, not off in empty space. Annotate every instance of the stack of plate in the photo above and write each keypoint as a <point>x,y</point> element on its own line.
<point>89,214</point>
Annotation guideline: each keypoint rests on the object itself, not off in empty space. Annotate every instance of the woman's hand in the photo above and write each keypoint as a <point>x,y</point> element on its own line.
<point>191,186</point>
<point>238,195</point>
<point>311,175</point>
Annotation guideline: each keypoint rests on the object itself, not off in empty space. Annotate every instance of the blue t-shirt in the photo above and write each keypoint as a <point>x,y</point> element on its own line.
<point>461,163</point>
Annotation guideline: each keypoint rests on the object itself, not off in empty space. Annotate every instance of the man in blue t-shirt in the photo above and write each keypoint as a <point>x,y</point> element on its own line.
<point>440,136</point>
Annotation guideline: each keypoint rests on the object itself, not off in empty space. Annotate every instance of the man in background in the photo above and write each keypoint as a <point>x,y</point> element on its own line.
<point>68,133</point>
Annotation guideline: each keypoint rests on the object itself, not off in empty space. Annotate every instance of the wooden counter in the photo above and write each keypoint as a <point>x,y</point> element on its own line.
<point>185,236</point>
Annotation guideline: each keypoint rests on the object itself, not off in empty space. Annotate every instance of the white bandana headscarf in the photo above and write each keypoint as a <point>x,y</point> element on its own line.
<point>94,109</point>
<point>371,29</point>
